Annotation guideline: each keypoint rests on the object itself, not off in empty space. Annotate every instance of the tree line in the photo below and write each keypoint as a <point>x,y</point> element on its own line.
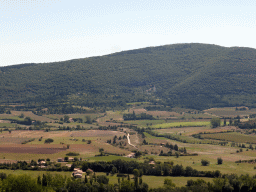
<point>125,183</point>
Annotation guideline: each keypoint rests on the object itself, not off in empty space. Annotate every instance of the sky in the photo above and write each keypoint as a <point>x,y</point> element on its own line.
<point>41,31</point>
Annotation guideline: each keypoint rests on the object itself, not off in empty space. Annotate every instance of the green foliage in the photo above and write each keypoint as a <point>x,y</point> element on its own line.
<point>101,150</point>
<point>177,154</point>
<point>72,154</point>
<point>219,161</point>
<point>49,140</point>
<point>20,183</point>
<point>205,162</point>
<point>21,115</point>
<point>102,179</point>
<point>169,183</point>
<point>66,119</point>
<point>189,75</point>
<point>133,116</point>
<point>215,122</point>
<point>138,154</point>
<point>136,173</point>
<point>126,186</point>
<point>88,119</point>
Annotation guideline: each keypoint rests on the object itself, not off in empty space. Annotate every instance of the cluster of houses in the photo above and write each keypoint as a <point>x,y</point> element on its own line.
<point>42,164</point>
<point>78,173</point>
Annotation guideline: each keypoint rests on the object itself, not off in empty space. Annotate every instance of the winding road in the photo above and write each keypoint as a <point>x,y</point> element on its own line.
<point>129,142</point>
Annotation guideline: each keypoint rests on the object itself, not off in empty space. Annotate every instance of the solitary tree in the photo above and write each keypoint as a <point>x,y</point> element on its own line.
<point>88,119</point>
<point>101,150</point>
<point>176,148</point>
<point>219,161</point>
<point>39,180</point>
<point>230,122</point>
<point>169,184</point>
<point>215,122</point>
<point>66,119</point>
<point>136,174</point>
<point>205,162</point>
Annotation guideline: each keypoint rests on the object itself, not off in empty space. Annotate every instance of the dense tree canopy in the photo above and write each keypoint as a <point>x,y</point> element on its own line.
<point>189,75</point>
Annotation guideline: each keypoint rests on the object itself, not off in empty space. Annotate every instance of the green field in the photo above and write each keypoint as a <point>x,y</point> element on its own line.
<point>145,123</point>
<point>152,181</point>
<point>151,138</point>
<point>229,111</point>
<point>182,124</point>
<point>109,158</point>
<point>33,174</point>
<point>7,125</point>
<point>234,137</point>
<point>158,181</point>
<point>65,140</point>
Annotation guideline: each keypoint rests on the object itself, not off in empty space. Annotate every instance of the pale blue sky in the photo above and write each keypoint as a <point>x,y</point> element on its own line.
<point>39,31</point>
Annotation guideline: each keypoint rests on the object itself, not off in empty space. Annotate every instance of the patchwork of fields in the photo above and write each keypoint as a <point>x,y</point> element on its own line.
<point>180,126</point>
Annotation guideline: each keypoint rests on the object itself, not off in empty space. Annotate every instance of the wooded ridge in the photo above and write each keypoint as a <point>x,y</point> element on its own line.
<point>189,75</point>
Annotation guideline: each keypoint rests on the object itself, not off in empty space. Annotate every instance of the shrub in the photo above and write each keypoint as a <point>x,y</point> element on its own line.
<point>219,161</point>
<point>21,115</point>
<point>72,154</point>
<point>30,140</point>
<point>49,140</point>
<point>205,162</point>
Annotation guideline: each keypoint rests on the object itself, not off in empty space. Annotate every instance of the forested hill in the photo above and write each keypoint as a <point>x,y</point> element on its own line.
<point>189,75</point>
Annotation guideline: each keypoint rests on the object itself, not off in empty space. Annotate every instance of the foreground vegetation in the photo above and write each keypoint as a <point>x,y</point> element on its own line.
<point>58,182</point>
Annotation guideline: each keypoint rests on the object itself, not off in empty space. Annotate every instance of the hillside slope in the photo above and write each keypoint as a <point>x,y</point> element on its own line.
<point>191,75</point>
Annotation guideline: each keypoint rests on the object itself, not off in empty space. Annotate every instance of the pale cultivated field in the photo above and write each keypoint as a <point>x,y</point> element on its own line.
<point>160,114</point>
<point>95,133</point>
<point>31,115</point>
<point>229,112</point>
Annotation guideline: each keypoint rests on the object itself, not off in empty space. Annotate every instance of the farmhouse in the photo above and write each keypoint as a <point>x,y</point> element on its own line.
<point>131,155</point>
<point>77,173</point>
<point>42,163</point>
<point>152,163</point>
<point>60,160</point>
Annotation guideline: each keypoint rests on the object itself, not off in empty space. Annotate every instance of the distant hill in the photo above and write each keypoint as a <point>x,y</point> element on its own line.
<point>189,75</point>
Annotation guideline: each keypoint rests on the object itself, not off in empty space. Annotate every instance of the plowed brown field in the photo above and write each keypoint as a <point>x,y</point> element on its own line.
<point>30,150</point>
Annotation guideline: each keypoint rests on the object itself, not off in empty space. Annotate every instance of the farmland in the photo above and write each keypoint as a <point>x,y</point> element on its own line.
<point>234,137</point>
<point>104,138</point>
<point>182,124</point>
